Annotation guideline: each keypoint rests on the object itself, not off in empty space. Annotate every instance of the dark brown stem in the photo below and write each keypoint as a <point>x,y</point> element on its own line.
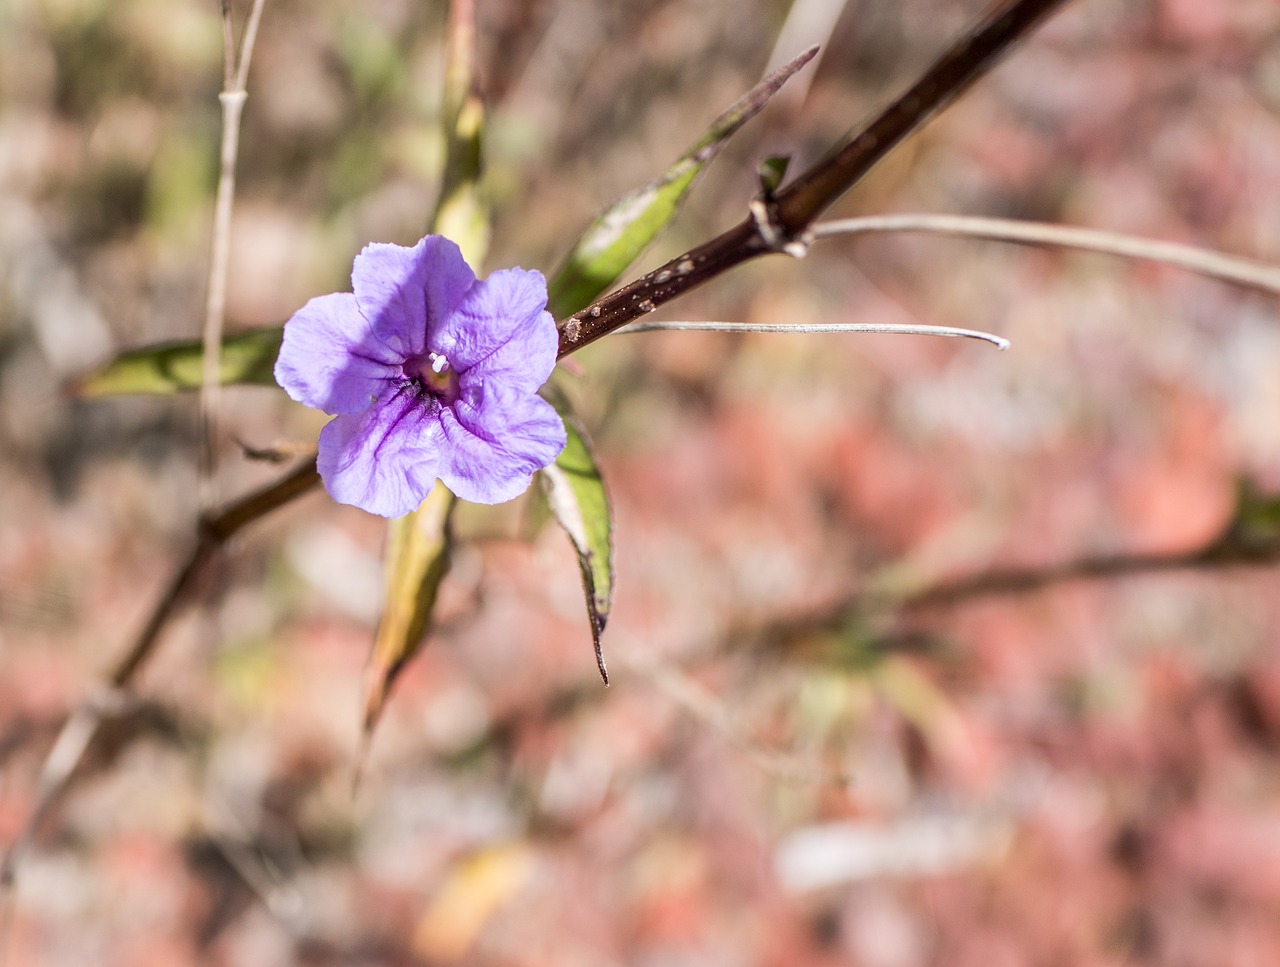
<point>969,58</point>
<point>645,294</point>
<point>1234,547</point>
<point>798,204</point>
<point>1229,550</point>
<point>214,531</point>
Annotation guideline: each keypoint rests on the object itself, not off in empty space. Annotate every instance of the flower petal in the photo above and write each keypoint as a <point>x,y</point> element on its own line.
<point>501,330</point>
<point>407,292</point>
<point>395,433</point>
<point>491,452</point>
<point>328,360</point>
<point>386,459</point>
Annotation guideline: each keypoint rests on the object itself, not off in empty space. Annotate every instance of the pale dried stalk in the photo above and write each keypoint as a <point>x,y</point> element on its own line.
<point>807,328</point>
<point>1228,268</point>
<point>232,99</point>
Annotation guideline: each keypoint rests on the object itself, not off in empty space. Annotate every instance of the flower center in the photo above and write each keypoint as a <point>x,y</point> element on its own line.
<point>434,374</point>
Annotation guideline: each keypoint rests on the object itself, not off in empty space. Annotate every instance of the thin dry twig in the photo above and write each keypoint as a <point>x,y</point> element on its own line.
<point>215,530</point>
<point>1008,581</point>
<point>881,327</point>
<point>1233,548</point>
<point>1228,268</point>
<point>259,872</point>
<point>233,97</point>
<point>1238,545</point>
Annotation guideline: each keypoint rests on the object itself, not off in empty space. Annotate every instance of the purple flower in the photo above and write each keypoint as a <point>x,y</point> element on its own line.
<point>429,373</point>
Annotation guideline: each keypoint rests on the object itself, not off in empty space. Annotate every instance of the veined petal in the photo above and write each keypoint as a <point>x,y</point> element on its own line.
<point>386,459</point>
<point>432,374</point>
<point>492,452</point>
<point>328,360</point>
<point>501,330</point>
<point>405,293</point>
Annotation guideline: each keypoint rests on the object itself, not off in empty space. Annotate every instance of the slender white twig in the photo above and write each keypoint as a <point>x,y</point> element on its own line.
<point>1228,268</point>
<point>246,45</point>
<point>232,98</point>
<point>909,330</point>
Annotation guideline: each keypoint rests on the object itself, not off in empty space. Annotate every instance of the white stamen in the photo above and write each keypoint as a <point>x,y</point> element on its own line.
<point>438,363</point>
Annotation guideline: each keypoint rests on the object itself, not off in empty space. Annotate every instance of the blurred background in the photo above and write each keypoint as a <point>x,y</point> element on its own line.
<point>795,765</point>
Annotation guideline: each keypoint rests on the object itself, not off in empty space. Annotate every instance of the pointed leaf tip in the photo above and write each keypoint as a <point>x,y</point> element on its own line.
<point>577,496</point>
<point>624,229</point>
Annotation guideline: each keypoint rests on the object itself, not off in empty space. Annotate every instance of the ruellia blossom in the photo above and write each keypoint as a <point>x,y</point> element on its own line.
<point>429,373</point>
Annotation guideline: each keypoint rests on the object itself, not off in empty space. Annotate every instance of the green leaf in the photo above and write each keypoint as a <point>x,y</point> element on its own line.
<point>616,238</point>
<point>418,546</point>
<point>578,499</point>
<point>247,357</point>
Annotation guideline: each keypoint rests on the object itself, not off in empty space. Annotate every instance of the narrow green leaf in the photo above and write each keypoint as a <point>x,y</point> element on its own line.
<point>418,546</point>
<point>578,499</point>
<point>615,239</point>
<point>174,367</point>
